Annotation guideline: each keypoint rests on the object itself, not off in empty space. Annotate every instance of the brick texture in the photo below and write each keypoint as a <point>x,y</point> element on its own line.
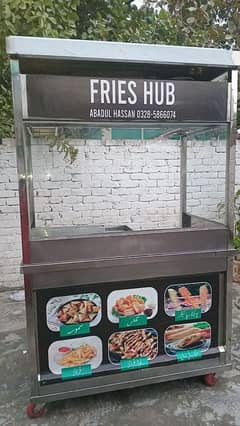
<point>134,183</point>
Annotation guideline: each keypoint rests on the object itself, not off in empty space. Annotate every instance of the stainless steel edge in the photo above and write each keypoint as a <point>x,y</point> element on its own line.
<point>136,124</point>
<point>23,201</point>
<point>229,101</point>
<point>228,309</point>
<point>130,260</point>
<point>33,349</point>
<point>72,390</point>
<point>24,96</point>
<point>236,57</point>
<point>88,50</point>
<point>222,314</point>
<point>183,178</point>
<point>231,153</point>
<point>21,158</point>
<point>29,178</point>
<point>129,245</point>
<point>77,276</point>
<point>230,193</point>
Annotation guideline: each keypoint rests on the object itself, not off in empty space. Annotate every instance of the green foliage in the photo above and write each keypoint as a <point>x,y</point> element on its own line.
<point>210,23</point>
<point>236,207</point>
<point>236,242</point>
<point>183,22</point>
<point>63,145</point>
<point>45,18</point>
<point>6,119</point>
<point>120,20</point>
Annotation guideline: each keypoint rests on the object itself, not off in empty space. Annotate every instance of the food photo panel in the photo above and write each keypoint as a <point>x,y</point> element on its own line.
<point>74,353</point>
<point>182,297</point>
<point>73,309</point>
<point>131,302</point>
<point>182,337</point>
<point>133,344</point>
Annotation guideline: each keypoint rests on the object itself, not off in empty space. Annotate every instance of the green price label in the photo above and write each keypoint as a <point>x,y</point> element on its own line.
<point>76,372</point>
<point>188,355</point>
<point>134,363</point>
<point>132,321</point>
<point>74,329</point>
<point>202,325</point>
<point>188,314</point>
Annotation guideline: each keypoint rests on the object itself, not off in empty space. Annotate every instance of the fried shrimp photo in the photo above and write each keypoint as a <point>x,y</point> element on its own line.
<point>130,305</point>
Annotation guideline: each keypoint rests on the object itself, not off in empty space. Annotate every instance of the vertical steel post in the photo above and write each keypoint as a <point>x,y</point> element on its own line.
<point>24,217</point>
<point>29,180</point>
<point>183,178</point>
<point>21,159</point>
<point>229,199</point>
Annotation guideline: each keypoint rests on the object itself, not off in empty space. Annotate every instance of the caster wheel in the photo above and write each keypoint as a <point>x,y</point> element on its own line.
<point>210,379</point>
<point>34,411</point>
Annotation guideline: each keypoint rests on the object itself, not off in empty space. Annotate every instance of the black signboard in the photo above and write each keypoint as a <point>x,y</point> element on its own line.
<point>141,313</point>
<point>124,100</point>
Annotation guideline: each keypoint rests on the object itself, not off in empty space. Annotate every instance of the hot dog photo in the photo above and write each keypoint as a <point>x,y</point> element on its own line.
<point>188,296</point>
<point>182,337</point>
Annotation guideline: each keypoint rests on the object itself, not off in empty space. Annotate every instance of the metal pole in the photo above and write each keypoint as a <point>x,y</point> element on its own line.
<point>231,151</point>
<point>183,178</point>
<point>31,209</point>
<point>21,159</point>
<point>24,216</point>
<point>229,200</point>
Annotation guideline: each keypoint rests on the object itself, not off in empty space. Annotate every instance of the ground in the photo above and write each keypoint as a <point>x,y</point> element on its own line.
<point>179,403</point>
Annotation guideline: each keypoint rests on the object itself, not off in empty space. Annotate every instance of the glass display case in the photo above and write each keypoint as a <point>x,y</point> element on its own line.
<point>126,158</point>
<point>124,179</point>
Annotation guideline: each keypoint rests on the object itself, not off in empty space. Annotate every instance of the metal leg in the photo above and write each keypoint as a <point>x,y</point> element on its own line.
<point>210,379</point>
<point>35,410</point>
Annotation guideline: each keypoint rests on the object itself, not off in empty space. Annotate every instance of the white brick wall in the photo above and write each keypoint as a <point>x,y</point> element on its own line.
<point>206,177</point>
<point>109,184</point>
<point>132,183</point>
<point>10,244</point>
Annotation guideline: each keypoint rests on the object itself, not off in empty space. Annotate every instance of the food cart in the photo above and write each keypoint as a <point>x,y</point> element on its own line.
<point>126,259</point>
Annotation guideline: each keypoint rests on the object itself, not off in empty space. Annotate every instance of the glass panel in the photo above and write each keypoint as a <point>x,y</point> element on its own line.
<point>123,133</point>
<point>136,134</point>
<point>112,185</point>
<point>124,179</point>
<point>206,174</point>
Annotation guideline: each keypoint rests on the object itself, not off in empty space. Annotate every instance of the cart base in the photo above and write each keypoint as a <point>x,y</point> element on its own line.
<point>38,410</point>
<point>130,380</point>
